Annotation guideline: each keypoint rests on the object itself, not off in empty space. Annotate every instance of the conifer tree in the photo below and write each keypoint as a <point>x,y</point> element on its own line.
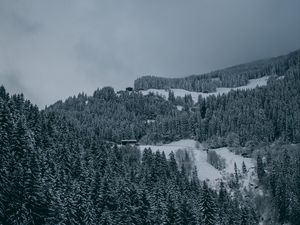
<point>244,168</point>
<point>144,209</point>
<point>207,206</point>
<point>236,176</point>
<point>260,168</point>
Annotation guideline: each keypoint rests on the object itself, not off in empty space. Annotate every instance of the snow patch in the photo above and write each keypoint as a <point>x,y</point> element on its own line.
<point>150,121</point>
<point>248,179</point>
<point>179,107</point>
<point>253,83</point>
<point>280,77</point>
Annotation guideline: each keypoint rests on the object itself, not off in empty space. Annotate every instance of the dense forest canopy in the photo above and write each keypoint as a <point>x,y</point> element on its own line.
<point>53,174</point>
<point>63,164</point>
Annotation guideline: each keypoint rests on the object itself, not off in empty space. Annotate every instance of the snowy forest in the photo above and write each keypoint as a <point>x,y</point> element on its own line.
<point>65,164</point>
<point>231,77</point>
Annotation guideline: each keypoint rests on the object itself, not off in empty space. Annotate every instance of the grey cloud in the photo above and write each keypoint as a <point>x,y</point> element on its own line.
<point>13,82</point>
<point>11,20</point>
<point>15,85</point>
<point>62,47</point>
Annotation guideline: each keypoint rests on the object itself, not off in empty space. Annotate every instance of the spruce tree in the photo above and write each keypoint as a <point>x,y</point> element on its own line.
<point>260,168</point>
<point>207,206</point>
<point>236,176</point>
<point>244,168</point>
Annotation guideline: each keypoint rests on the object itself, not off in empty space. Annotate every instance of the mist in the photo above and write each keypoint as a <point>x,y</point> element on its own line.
<point>50,50</point>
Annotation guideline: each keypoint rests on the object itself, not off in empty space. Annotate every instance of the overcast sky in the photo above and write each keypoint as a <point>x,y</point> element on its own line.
<point>52,49</point>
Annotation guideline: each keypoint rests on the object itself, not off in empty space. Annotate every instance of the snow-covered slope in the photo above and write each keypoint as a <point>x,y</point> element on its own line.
<point>253,83</point>
<point>231,158</point>
<point>205,170</point>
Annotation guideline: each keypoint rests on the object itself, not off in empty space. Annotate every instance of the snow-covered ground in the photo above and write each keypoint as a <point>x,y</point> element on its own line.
<point>179,107</point>
<point>280,77</point>
<point>205,170</point>
<point>231,158</point>
<point>253,83</point>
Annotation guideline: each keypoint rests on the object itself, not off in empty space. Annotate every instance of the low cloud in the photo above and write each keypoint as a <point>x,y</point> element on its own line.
<point>53,49</point>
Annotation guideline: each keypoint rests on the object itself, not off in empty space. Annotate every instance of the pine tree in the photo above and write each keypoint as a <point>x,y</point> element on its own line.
<point>194,183</point>
<point>260,168</point>
<point>89,213</point>
<point>234,212</point>
<point>244,216</point>
<point>223,205</point>
<point>17,212</point>
<point>186,214</point>
<point>207,206</point>
<point>282,196</point>
<point>171,211</point>
<point>171,97</point>
<point>236,176</point>
<point>173,164</point>
<point>33,192</point>
<point>5,134</point>
<point>244,168</point>
<point>144,209</point>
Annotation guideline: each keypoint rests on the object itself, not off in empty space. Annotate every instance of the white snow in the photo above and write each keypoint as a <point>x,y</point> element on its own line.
<point>253,83</point>
<point>205,170</point>
<point>179,107</point>
<point>177,92</point>
<point>232,158</point>
<point>150,121</point>
<point>280,77</point>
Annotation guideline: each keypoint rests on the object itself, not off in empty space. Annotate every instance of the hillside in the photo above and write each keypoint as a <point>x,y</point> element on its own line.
<point>66,164</point>
<point>252,83</point>
<point>198,156</point>
<point>227,78</point>
<point>262,114</point>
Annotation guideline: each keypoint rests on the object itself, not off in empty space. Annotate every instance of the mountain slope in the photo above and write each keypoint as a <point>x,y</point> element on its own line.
<point>252,83</point>
<point>231,77</point>
<point>206,172</point>
<point>62,165</point>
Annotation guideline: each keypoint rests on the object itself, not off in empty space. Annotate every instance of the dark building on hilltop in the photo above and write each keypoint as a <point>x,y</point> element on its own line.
<point>129,89</point>
<point>129,142</point>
